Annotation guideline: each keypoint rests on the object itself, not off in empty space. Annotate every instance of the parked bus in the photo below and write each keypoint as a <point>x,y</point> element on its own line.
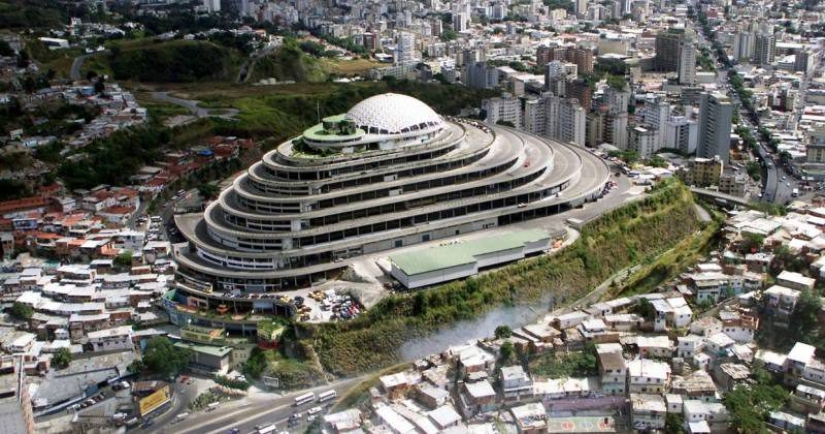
<point>266,429</point>
<point>327,396</point>
<point>304,399</point>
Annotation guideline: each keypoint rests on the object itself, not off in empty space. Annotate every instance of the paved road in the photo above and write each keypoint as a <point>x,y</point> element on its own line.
<point>183,395</point>
<point>774,189</point>
<point>193,107</point>
<point>251,412</point>
<point>75,74</point>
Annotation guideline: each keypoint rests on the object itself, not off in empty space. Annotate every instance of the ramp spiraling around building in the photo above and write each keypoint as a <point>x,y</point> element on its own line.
<point>361,183</point>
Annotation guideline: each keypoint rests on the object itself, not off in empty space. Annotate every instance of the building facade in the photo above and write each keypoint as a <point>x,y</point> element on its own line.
<point>715,116</point>
<point>387,174</point>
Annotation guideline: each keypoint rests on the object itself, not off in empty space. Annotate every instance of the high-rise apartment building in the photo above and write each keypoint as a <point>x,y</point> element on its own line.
<point>543,54</point>
<point>764,51</point>
<point>582,57</point>
<point>461,22</point>
<point>667,51</point>
<point>566,120</point>
<point>642,140</point>
<point>743,45</point>
<point>555,78</point>
<point>558,118</point>
<point>581,7</point>
<point>405,48</point>
<point>535,116</point>
<point>681,133</point>
<point>687,62</point>
<point>615,129</point>
<point>595,129</point>
<point>653,116</point>
<point>715,115</point>
<point>580,90</point>
<point>616,100</point>
<point>506,108</point>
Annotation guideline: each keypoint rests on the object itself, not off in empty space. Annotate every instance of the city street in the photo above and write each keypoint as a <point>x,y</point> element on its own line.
<point>246,414</point>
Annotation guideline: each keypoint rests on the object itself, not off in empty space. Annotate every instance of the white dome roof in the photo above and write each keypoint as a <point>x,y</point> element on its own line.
<point>392,113</point>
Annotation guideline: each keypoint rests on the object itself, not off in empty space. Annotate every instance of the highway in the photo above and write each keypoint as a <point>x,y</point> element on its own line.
<point>250,412</point>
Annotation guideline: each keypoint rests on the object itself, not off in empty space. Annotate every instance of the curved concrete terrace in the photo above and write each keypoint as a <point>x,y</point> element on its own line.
<point>571,168</point>
<point>577,164</point>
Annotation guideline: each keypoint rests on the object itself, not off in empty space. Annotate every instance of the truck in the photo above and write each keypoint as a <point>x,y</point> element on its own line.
<point>795,192</point>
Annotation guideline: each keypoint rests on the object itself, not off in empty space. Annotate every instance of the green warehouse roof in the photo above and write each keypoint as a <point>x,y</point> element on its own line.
<point>205,349</point>
<point>439,258</point>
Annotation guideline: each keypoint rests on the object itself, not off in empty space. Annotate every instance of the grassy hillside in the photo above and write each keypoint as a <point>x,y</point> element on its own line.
<point>283,111</point>
<point>30,14</point>
<point>631,234</point>
<point>174,62</point>
<point>288,63</point>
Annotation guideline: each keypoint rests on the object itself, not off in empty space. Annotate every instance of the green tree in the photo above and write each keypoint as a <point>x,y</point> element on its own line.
<point>674,423</point>
<point>505,123</point>
<point>804,323</point>
<point>62,358</point>
<point>506,353</point>
<point>749,405</point>
<point>657,161</point>
<point>136,366</point>
<point>618,82</point>
<point>208,191</point>
<point>754,170</point>
<point>21,310</point>
<point>163,358</point>
<point>645,309</point>
<point>751,242</point>
<point>124,259</point>
<point>503,331</point>
<point>449,35</point>
<point>629,157</point>
<point>256,364</point>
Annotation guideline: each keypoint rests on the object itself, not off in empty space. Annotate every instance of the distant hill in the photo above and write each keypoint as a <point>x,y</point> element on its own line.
<point>174,62</point>
<point>31,14</point>
<point>288,63</point>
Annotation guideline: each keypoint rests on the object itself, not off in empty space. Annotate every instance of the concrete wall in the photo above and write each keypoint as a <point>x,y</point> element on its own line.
<point>499,257</point>
<point>434,277</point>
<point>437,234</point>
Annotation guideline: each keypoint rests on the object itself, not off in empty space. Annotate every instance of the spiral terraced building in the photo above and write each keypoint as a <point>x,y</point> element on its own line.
<point>389,173</point>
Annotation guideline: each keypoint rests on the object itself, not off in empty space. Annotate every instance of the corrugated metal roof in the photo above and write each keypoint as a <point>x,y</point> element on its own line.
<point>438,258</point>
